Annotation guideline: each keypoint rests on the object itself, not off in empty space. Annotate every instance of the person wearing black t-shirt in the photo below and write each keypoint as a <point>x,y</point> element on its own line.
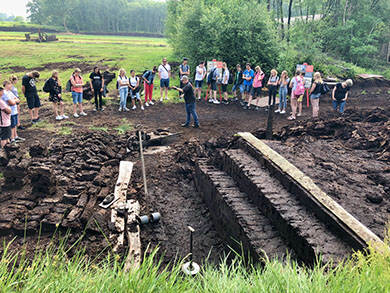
<point>96,82</point>
<point>340,95</point>
<point>29,90</point>
<point>189,99</point>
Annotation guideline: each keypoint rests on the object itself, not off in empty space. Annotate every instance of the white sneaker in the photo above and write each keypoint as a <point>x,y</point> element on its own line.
<point>283,112</point>
<point>83,114</point>
<point>211,100</point>
<point>216,102</point>
<point>151,103</point>
<point>75,115</point>
<point>146,104</point>
<point>161,99</point>
<point>299,114</point>
<point>277,111</point>
<point>65,117</point>
<point>59,117</point>
<point>166,98</point>
<point>126,109</point>
<point>120,109</point>
<point>134,107</point>
<point>142,108</point>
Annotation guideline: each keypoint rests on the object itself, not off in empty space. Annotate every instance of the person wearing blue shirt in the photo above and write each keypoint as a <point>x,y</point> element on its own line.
<point>247,76</point>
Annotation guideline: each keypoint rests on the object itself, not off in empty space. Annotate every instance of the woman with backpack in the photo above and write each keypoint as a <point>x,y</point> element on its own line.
<point>123,87</point>
<point>315,93</point>
<point>148,78</point>
<point>272,85</point>
<point>283,83</point>
<point>298,89</point>
<point>134,90</point>
<point>96,82</point>
<point>53,87</point>
<point>76,81</point>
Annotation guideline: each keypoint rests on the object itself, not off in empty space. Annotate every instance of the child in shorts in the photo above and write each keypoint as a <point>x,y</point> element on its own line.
<point>5,120</point>
<point>13,102</point>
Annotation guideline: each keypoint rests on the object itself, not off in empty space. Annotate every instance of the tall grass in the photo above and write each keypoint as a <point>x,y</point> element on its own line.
<point>52,270</point>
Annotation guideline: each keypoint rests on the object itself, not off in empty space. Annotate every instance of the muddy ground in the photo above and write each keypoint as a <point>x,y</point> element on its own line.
<point>54,182</point>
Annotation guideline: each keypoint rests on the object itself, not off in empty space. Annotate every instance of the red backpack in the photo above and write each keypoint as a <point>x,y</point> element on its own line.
<point>300,88</point>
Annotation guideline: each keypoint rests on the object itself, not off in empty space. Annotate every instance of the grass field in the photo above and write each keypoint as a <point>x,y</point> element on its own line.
<point>84,51</point>
<point>53,271</point>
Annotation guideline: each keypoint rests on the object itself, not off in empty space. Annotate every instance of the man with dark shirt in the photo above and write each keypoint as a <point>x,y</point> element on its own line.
<point>340,95</point>
<point>29,90</point>
<point>189,99</point>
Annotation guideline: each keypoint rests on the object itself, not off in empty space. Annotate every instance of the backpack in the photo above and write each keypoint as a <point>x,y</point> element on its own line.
<point>210,77</point>
<point>300,88</point>
<point>230,81</point>
<point>46,87</point>
<point>68,86</point>
<point>324,89</point>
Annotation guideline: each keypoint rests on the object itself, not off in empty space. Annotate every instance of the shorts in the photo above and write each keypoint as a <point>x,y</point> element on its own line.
<point>77,97</point>
<point>256,91</point>
<point>55,99</point>
<point>33,102</point>
<point>198,84</point>
<point>315,96</point>
<point>164,82</point>
<point>135,95</point>
<point>14,120</point>
<point>224,88</point>
<point>239,86</point>
<point>214,85</point>
<point>5,133</point>
<point>247,88</point>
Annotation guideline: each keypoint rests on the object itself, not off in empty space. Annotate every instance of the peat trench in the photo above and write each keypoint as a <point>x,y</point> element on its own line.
<point>260,209</point>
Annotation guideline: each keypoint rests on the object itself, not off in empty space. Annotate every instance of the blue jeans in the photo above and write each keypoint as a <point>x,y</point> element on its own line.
<point>247,88</point>
<point>123,92</point>
<point>77,98</point>
<point>340,104</point>
<point>282,98</point>
<point>190,109</point>
<point>238,86</point>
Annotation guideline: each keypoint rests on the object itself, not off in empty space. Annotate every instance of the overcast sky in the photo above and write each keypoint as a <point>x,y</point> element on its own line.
<point>17,7</point>
<point>14,7</point>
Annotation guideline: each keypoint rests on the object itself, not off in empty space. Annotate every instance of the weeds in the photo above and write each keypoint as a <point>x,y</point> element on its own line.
<point>65,130</point>
<point>1,175</point>
<point>97,128</point>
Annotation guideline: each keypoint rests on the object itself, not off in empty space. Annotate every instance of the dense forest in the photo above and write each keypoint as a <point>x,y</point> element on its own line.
<point>100,15</point>
<point>282,33</point>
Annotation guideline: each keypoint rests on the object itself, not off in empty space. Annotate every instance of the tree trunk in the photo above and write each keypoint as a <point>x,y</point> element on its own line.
<point>269,5</point>
<point>345,12</point>
<point>281,17</point>
<point>300,9</point>
<point>289,20</point>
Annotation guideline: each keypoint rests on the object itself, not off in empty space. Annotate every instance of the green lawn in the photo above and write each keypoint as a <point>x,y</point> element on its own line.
<point>138,53</point>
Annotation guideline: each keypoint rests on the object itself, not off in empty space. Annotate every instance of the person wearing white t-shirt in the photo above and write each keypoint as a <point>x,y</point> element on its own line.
<point>134,90</point>
<point>225,82</point>
<point>164,73</point>
<point>123,86</point>
<point>200,74</point>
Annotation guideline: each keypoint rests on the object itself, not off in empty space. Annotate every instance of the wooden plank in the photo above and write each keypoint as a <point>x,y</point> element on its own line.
<point>359,230</point>
<point>125,170</point>
<point>133,259</point>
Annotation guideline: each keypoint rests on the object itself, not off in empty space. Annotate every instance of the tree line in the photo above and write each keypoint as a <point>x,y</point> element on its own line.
<point>111,16</point>
<point>281,33</point>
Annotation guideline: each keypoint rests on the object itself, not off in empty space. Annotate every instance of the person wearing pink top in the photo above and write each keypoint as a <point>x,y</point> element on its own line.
<point>77,92</point>
<point>5,120</point>
<point>256,88</point>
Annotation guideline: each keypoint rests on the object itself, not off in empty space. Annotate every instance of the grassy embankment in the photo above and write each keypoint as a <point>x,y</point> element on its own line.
<point>112,52</point>
<point>53,271</point>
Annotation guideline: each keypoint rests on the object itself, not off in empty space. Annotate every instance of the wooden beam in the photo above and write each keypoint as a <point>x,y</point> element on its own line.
<point>321,198</point>
<point>133,259</point>
<point>125,170</point>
